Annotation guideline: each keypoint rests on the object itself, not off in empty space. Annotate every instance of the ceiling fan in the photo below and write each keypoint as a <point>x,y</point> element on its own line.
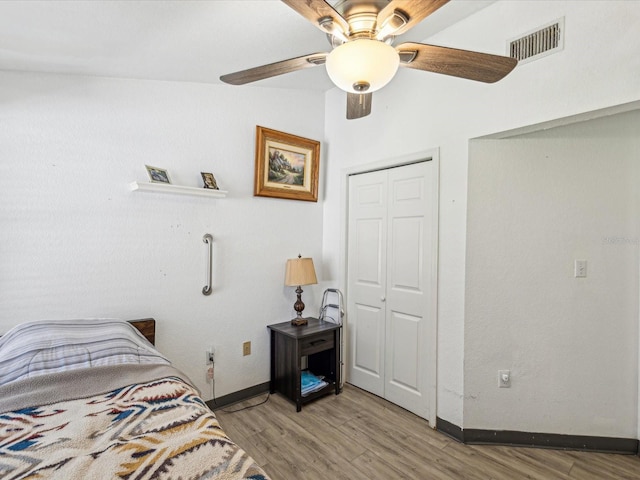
<point>363,59</point>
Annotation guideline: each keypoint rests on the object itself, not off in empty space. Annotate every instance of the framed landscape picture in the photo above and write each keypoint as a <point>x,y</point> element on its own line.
<point>287,166</point>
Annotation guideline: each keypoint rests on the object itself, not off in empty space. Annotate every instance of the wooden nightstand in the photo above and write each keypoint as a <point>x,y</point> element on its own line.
<point>319,342</point>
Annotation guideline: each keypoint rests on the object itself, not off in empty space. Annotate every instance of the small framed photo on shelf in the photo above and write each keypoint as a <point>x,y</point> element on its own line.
<point>209,180</point>
<point>158,175</point>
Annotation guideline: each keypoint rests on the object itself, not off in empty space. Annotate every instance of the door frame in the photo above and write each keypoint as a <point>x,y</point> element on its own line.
<point>432,155</point>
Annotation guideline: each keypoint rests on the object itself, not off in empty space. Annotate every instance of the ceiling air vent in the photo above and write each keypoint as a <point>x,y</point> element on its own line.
<point>538,43</point>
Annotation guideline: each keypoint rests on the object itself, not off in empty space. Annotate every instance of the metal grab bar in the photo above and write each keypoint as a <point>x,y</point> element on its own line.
<point>208,238</point>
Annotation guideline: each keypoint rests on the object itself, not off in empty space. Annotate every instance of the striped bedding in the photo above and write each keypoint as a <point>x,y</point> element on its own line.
<point>122,415</point>
<point>38,348</point>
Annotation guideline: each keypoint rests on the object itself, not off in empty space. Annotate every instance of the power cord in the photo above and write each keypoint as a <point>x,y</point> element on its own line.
<point>210,374</point>
<point>247,407</point>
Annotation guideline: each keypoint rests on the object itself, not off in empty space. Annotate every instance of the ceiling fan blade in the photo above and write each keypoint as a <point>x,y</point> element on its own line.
<point>274,69</point>
<point>358,105</point>
<point>414,10</point>
<point>317,10</point>
<point>482,67</point>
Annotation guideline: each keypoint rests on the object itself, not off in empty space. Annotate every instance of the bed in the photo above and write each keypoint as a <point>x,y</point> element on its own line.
<point>94,399</point>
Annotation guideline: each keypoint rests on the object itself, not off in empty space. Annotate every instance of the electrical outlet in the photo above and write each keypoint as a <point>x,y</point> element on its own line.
<point>246,348</point>
<point>210,355</point>
<point>504,378</point>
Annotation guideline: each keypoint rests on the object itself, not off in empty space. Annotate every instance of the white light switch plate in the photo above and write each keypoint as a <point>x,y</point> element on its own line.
<point>580,269</point>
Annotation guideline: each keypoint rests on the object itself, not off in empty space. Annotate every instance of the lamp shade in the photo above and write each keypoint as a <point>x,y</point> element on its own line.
<point>300,271</point>
<point>362,62</point>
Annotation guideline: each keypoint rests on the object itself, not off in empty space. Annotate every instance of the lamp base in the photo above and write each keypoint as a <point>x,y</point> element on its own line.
<point>299,307</point>
<point>299,321</point>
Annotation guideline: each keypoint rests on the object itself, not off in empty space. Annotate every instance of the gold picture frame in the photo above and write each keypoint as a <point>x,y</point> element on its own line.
<point>287,166</point>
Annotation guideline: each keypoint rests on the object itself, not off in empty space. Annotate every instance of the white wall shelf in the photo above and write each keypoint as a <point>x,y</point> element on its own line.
<point>177,189</point>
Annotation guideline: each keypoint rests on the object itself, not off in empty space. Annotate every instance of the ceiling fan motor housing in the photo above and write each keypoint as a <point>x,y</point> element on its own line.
<point>362,22</point>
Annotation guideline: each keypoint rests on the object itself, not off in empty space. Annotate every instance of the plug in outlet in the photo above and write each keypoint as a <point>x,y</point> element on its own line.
<point>504,378</point>
<point>210,362</point>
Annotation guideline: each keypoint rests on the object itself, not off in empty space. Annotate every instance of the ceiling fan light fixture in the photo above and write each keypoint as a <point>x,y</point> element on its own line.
<point>362,61</point>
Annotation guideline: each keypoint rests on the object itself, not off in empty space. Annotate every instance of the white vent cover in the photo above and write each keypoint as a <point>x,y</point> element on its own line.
<point>538,43</point>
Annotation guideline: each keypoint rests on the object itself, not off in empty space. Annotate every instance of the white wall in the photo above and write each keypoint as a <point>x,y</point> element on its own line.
<point>77,243</point>
<point>76,240</point>
<point>598,67</point>
<point>536,204</point>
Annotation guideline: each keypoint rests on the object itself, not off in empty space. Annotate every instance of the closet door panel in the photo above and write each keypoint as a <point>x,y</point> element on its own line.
<point>408,251</point>
<point>367,281</point>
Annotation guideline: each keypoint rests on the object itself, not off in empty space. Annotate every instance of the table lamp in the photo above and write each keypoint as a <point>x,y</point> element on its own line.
<point>299,272</point>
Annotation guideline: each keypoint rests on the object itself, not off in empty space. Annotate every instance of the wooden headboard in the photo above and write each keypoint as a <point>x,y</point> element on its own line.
<point>147,327</point>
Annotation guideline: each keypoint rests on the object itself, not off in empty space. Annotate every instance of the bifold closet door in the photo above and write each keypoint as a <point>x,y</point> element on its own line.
<point>389,283</point>
<point>367,280</point>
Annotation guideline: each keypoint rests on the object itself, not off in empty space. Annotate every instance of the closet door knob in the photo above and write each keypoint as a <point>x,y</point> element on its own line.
<point>383,299</point>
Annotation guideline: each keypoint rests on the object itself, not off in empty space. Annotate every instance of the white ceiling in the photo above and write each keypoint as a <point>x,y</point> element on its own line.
<point>180,40</point>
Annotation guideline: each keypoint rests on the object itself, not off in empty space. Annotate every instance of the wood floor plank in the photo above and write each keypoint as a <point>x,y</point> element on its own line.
<point>475,459</point>
<point>605,466</point>
<point>522,463</point>
<point>359,436</point>
<point>372,466</point>
<point>314,441</point>
<point>413,459</point>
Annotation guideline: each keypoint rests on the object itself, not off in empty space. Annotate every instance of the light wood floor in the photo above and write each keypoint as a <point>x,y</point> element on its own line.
<point>358,436</point>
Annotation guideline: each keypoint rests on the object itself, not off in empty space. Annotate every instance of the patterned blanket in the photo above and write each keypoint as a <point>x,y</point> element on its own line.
<point>157,428</point>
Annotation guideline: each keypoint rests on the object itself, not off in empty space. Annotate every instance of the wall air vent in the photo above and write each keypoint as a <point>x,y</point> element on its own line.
<point>538,43</point>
